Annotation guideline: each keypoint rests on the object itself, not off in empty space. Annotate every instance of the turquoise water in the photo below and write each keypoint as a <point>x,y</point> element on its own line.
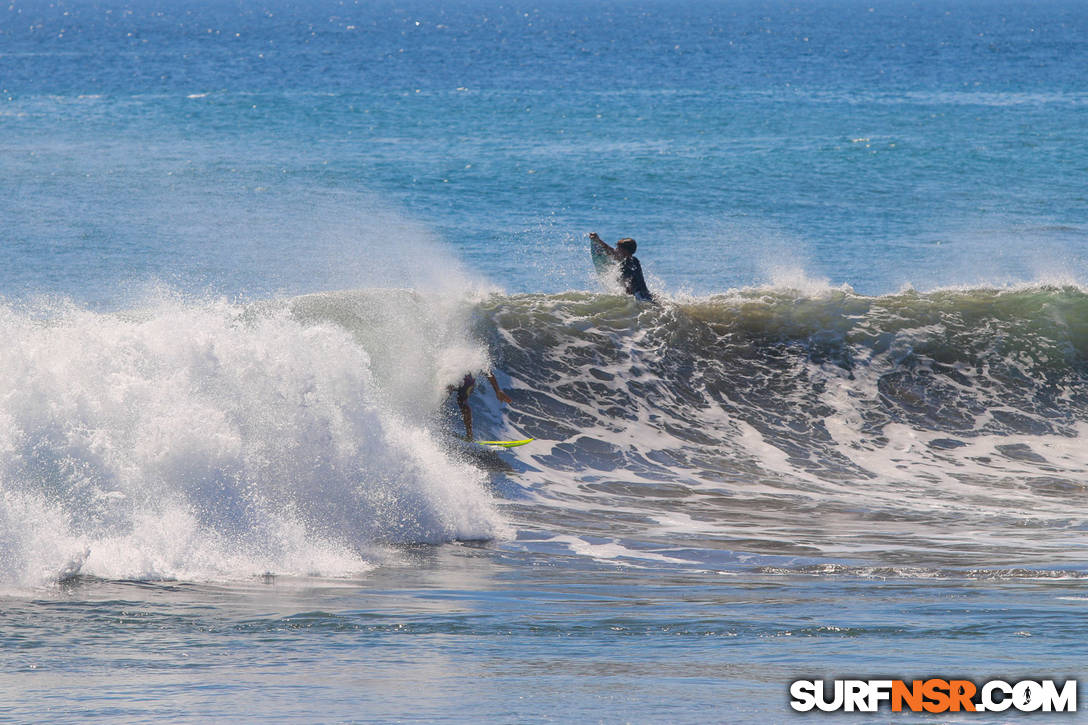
<point>247,247</point>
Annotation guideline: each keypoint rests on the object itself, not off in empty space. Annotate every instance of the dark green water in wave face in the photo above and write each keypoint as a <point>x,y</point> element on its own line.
<point>968,362</point>
<point>889,430</point>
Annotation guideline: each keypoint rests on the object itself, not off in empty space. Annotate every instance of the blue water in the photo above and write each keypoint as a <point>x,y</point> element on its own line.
<point>247,246</point>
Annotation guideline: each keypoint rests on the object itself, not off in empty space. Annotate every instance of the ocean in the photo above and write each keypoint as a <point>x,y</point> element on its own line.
<point>248,246</point>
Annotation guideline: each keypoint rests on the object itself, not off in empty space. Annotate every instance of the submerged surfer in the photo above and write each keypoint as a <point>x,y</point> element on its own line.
<point>630,267</point>
<point>465,389</point>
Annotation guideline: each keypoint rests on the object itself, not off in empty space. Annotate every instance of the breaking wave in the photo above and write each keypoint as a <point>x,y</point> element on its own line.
<point>786,430</point>
<point>941,428</point>
<point>211,440</point>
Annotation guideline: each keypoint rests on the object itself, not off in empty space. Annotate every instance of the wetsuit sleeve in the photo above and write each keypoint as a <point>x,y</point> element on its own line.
<point>633,281</point>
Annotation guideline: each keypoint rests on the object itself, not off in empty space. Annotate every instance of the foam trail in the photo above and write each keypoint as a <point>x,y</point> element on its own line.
<point>805,420</point>
<point>204,440</point>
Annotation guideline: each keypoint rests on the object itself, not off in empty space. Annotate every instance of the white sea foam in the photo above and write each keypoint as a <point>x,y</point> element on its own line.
<point>204,440</point>
<point>789,425</point>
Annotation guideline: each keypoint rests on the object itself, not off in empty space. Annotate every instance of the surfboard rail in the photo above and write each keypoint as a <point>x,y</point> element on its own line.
<point>505,444</point>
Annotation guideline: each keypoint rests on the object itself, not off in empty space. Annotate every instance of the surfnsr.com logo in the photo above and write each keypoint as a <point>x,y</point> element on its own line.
<point>933,695</point>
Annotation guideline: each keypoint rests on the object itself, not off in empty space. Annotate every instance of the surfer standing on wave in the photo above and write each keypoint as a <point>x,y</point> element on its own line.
<point>630,268</point>
<point>465,389</point>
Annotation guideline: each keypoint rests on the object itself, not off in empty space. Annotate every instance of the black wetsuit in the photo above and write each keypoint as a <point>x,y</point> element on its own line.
<point>633,281</point>
<point>465,389</point>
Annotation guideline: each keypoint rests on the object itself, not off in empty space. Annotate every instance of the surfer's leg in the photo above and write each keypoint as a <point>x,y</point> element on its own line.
<point>466,415</point>
<point>466,412</point>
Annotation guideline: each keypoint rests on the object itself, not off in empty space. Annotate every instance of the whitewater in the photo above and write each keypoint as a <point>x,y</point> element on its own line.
<point>203,440</point>
<point>247,249</point>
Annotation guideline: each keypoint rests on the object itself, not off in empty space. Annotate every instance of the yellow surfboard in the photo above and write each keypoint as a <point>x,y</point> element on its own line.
<point>505,444</point>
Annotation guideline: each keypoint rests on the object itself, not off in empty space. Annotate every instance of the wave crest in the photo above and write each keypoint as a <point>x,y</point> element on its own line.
<point>211,440</point>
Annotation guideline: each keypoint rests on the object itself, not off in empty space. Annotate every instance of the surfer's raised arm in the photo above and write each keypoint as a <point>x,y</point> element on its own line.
<point>604,246</point>
<point>498,391</point>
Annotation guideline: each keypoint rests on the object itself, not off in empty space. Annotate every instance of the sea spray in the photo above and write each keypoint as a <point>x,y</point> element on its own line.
<point>417,344</point>
<point>204,439</point>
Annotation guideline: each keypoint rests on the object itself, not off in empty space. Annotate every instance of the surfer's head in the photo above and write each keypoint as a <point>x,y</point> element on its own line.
<point>627,246</point>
